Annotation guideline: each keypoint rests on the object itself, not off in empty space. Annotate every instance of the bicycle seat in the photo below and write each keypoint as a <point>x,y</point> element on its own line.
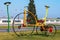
<point>41,21</point>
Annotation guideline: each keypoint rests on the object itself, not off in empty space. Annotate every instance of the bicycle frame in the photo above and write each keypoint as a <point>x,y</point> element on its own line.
<point>38,24</point>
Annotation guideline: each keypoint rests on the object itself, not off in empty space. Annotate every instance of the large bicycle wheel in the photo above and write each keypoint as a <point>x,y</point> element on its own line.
<point>19,28</point>
<point>50,30</point>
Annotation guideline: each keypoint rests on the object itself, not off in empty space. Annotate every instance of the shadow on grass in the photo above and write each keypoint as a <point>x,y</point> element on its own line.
<point>40,35</point>
<point>43,35</point>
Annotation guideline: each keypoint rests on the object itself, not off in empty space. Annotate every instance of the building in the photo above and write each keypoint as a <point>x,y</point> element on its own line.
<point>53,21</point>
<point>4,21</point>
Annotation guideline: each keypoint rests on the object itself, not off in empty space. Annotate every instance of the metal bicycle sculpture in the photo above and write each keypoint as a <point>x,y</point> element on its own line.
<point>38,27</point>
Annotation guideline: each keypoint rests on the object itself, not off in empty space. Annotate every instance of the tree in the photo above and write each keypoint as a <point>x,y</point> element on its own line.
<point>31,8</point>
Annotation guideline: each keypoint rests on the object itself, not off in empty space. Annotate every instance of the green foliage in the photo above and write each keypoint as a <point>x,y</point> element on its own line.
<point>32,9</point>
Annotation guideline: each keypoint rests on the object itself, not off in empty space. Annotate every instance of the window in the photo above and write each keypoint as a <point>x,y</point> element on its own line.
<point>6,21</point>
<point>52,20</point>
<point>17,21</point>
<point>57,20</point>
<point>47,20</point>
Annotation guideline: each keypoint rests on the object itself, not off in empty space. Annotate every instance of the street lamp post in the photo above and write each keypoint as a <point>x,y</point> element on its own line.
<point>7,4</point>
<point>46,12</point>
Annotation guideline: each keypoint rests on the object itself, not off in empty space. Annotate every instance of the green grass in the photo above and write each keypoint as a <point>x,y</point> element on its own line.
<point>2,27</point>
<point>12,36</point>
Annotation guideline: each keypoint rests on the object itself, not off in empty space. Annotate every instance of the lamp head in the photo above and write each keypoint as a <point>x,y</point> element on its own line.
<point>7,3</point>
<point>47,6</point>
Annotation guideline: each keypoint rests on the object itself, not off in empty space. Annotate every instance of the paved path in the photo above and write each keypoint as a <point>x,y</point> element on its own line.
<point>11,30</point>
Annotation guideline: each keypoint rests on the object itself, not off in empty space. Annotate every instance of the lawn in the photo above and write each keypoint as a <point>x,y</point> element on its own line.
<point>4,27</point>
<point>12,36</point>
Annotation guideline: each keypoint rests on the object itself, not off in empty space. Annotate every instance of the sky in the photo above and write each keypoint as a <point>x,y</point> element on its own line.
<point>17,6</point>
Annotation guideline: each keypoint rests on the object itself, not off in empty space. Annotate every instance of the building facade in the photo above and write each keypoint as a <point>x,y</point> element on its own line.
<point>4,21</point>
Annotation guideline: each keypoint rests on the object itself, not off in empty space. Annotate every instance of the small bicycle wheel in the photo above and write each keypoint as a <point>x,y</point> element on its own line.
<point>19,28</point>
<point>50,30</point>
<point>40,30</point>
